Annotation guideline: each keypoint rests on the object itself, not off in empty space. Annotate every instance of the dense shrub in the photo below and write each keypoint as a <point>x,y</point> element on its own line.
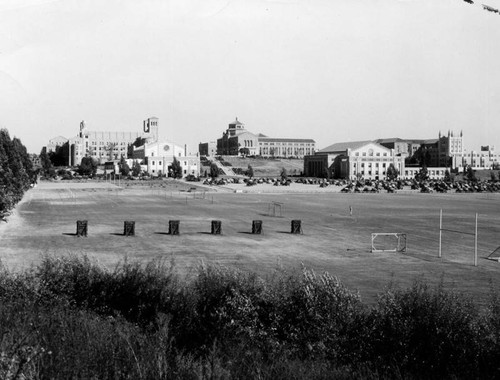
<point>428,331</point>
<point>71,318</point>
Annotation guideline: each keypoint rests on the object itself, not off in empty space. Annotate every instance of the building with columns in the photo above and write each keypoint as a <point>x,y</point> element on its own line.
<point>352,160</point>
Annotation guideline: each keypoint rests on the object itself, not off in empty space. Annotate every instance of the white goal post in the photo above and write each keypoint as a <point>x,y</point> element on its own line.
<point>389,242</point>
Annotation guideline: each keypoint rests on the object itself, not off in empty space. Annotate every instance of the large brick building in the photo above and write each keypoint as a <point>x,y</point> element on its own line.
<point>238,140</point>
<point>105,146</point>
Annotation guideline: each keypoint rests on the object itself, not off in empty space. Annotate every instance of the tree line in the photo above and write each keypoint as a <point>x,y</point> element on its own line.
<point>16,171</point>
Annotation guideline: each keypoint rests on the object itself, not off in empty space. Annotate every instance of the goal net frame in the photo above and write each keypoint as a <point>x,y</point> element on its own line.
<point>275,209</point>
<point>400,242</point>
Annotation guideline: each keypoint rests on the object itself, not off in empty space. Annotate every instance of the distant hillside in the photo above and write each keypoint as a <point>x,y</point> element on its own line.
<point>266,167</point>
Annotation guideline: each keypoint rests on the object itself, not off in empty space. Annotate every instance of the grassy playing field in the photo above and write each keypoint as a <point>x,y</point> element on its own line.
<point>332,240</point>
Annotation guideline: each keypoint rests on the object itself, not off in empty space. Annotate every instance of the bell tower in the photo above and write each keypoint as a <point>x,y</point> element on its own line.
<point>150,129</point>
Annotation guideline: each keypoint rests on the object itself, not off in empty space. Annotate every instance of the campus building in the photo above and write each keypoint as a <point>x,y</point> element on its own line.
<point>103,146</point>
<point>55,143</point>
<point>352,160</point>
<point>285,147</point>
<point>236,137</point>
<point>370,159</point>
<point>238,140</point>
<point>208,148</point>
<point>158,156</point>
<point>445,151</point>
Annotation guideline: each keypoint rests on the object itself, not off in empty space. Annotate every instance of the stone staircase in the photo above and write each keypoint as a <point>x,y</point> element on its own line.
<point>225,169</point>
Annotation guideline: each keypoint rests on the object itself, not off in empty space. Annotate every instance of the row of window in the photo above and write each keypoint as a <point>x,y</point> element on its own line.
<point>160,163</point>
<point>412,173</point>
<point>369,164</point>
<point>368,172</point>
<point>286,143</point>
<point>371,153</point>
<point>286,151</point>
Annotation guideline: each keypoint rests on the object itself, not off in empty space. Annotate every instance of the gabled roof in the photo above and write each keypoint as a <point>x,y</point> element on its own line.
<point>343,146</point>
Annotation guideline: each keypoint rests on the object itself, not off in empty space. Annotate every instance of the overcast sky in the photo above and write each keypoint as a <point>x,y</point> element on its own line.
<point>331,70</point>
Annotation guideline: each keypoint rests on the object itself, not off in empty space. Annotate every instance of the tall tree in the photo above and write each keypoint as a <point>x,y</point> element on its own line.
<point>283,174</point>
<point>392,172</point>
<point>423,174</point>
<point>60,156</point>
<point>214,170</point>
<point>250,171</point>
<point>470,174</point>
<point>87,167</point>
<point>176,168</point>
<point>136,168</point>
<point>47,167</point>
<point>124,168</point>
<point>16,171</point>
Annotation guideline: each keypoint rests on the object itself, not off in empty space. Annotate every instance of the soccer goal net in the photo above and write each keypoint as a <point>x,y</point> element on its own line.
<point>388,242</point>
<point>495,255</point>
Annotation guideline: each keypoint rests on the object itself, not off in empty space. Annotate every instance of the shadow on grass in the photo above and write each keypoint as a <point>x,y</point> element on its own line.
<point>270,216</point>
<point>169,234</point>
<point>69,233</point>
<point>208,233</point>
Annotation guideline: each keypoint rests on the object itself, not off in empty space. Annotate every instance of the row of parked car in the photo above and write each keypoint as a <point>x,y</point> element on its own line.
<point>370,186</point>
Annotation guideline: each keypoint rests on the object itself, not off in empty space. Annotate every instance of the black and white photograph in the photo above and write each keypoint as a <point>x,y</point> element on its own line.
<point>249,189</point>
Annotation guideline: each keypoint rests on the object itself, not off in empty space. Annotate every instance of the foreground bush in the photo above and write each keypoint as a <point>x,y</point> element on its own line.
<point>71,318</point>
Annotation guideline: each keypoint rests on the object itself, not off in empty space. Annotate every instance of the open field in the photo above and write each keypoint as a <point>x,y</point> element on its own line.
<point>265,167</point>
<point>332,240</point>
